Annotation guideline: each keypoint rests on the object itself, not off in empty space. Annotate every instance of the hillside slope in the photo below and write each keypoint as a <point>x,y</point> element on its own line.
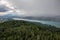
<point>23,30</point>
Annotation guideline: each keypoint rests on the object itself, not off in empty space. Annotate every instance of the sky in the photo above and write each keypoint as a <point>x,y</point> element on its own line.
<point>37,7</point>
<point>6,8</point>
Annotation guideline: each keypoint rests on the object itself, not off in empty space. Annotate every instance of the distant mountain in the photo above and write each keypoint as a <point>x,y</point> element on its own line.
<point>6,17</point>
<point>55,18</point>
<point>10,15</point>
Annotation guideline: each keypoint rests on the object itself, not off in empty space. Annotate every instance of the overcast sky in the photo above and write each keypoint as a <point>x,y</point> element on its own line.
<point>38,7</point>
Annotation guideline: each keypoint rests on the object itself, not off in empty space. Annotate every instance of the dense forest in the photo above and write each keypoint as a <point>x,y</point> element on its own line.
<point>23,30</point>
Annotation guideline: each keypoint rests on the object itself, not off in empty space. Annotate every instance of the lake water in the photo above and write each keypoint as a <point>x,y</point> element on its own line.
<point>57,24</point>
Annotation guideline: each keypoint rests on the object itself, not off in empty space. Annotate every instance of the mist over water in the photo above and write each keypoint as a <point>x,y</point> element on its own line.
<point>56,24</point>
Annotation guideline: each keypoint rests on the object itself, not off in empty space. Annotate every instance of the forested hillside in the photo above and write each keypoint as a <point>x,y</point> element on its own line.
<point>23,30</point>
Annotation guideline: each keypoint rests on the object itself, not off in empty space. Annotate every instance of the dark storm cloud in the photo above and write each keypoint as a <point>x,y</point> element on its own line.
<point>3,8</point>
<point>38,7</point>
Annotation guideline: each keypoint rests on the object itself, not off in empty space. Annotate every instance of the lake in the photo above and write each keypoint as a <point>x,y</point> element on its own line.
<point>57,24</point>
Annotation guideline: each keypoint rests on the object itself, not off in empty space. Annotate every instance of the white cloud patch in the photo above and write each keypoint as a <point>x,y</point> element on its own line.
<point>12,12</point>
<point>6,8</point>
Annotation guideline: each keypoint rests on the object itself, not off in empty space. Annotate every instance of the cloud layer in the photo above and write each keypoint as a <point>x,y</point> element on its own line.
<point>3,8</point>
<point>38,7</point>
<point>6,9</point>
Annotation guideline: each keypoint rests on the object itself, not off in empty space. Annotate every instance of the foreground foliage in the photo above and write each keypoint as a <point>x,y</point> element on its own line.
<point>22,30</point>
